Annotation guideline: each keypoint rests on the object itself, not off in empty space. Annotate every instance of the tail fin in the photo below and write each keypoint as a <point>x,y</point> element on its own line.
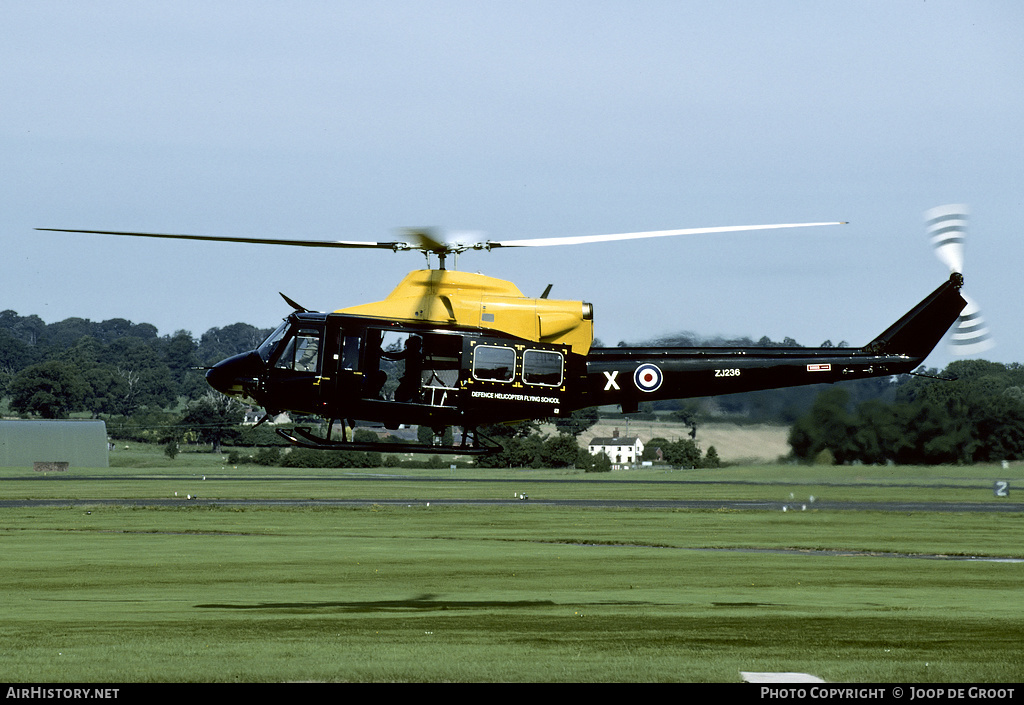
<point>918,332</point>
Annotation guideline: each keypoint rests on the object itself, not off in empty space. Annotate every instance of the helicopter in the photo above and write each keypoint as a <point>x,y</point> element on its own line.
<point>448,348</point>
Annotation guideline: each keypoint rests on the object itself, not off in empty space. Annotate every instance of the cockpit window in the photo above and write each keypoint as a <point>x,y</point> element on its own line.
<point>266,348</point>
<point>302,352</point>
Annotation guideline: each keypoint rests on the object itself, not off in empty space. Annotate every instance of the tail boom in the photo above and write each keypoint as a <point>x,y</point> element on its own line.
<point>629,376</point>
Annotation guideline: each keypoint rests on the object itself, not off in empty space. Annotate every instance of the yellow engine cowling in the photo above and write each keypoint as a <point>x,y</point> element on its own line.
<point>450,297</point>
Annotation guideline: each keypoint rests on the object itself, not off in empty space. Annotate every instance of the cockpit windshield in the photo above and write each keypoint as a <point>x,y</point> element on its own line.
<point>266,348</point>
<point>302,352</point>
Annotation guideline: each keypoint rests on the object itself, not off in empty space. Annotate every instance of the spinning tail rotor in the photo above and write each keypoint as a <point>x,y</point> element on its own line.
<point>946,227</point>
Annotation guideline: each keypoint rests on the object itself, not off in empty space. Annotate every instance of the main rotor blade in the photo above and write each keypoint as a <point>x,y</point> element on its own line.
<point>586,239</point>
<point>427,240</point>
<point>253,240</point>
<point>298,307</point>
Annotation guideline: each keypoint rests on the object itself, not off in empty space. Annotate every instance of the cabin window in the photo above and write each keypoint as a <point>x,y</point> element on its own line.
<point>494,364</point>
<point>542,367</point>
<point>442,358</point>
<point>302,352</point>
<point>350,352</point>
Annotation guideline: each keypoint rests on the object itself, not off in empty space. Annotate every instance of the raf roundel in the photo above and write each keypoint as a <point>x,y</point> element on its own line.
<point>647,377</point>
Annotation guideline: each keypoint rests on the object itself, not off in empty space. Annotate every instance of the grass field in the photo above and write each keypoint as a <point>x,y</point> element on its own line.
<point>524,591</point>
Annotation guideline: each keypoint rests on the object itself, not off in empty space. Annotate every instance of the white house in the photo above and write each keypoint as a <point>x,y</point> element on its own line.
<point>623,450</point>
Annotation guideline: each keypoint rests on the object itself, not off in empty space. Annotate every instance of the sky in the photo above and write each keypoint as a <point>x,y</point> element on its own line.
<point>352,120</point>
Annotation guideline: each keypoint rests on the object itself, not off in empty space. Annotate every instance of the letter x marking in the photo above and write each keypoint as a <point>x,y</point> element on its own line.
<point>611,384</point>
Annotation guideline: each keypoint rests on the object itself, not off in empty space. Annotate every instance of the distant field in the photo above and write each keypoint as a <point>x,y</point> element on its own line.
<point>756,443</point>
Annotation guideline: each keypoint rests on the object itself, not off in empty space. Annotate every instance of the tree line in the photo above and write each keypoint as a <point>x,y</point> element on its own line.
<point>150,387</point>
<point>974,413</point>
<point>112,367</point>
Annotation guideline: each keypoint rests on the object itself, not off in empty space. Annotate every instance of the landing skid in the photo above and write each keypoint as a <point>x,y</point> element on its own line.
<point>305,438</point>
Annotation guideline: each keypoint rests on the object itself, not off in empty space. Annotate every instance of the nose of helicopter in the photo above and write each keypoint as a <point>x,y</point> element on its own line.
<point>236,376</point>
